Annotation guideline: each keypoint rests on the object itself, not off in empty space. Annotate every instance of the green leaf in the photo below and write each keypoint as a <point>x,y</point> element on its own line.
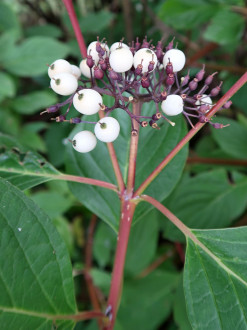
<point>231,139</point>
<point>215,279</point>
<point>33,55</point>
<point>8,18</point>
<point>30,103</point>
<point>47,30</point>
<point>31,140</point>
<point>96,164</point>
<point>96,22</point>
<point>142,244</point>
<point>226,27</point>
<point>182,14</point>
<point>146,302</point>
<point>36,276</point>
<point>21,167</point>
<point>7,86</point>
<point>208,197</point>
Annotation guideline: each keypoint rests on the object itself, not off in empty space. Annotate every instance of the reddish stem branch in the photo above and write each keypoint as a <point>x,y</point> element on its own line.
<point>127,212</point>
<point>76,27</point>
<point>190,134</point>
<point>115,164</point>
<point>88,265</point>
<point>93,182</point>
<point>133,150</point>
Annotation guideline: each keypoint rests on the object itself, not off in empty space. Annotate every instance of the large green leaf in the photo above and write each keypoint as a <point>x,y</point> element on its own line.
<point>232,139</point>
<point>207,200</point>
<point>215,279</point>
<point>8,18</point>
<point>154,145</point>
<point>23,168</point>
<point>146,302</point>
<point>31,57</point>
<point>7,86</point>
<point>35,272</point>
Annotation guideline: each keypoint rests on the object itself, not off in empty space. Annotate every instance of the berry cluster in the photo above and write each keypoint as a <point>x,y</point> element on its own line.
<point>143,72</point>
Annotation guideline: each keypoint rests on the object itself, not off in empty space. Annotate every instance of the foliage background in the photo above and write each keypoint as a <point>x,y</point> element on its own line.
<point>33,34</point>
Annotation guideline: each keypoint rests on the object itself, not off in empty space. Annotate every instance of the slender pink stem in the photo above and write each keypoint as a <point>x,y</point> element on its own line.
<point>133,150</point>
<point>127,212</point>
<point>115,164</point>
<point>190,134</point>
<point>76,27</point>
<point>94,182</point>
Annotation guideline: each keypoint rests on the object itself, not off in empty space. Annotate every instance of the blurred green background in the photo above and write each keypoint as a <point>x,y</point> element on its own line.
<point>34,34</point>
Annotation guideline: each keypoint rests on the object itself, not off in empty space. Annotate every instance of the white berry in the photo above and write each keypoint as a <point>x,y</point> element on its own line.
<point>59,66</point>
<point>75,71</point>
<point>84,141</point>
<point>107,129</point>
<point>87,101</point>
<point>172,105</point>
<point>177,58</point>
<point>205,99</point>
<point>85,70</point>
<point>91,50</point>
<point>121,59</point>
<point>118,45</point>
<point>64,83</point>
<point>144,56</point>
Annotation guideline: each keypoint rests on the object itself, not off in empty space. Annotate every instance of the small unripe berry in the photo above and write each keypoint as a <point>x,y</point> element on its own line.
<point>87,101</point>
<point>121,59</point>
<point>107,129</point>
<point>176,57</point>
<point>84,141</point>
<point>173,105</point>
<point>64,83</point>
<point>85,70</point>
<point>144,56</point>
<point>59,66</point>
<point>75,71</point>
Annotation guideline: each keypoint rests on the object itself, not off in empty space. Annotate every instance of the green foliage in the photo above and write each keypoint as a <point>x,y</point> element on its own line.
<point>35,250</point>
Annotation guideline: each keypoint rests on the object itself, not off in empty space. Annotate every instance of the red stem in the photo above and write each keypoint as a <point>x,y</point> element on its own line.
<point>190,134</point>
<point>127,212</point>
<point>76,27</point>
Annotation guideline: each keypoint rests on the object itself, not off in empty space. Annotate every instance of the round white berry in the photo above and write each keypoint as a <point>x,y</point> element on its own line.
<point>118,45</point>
<point>107,129</point>
<point>205,99</point>
<point>87,101</point>
<point>91,50</point>
<point>75,71</point>
<point>172,105</point>
<point>59,66</point>
<point>84,141</point>
<point>177,58</point>
<point>64,83</point>
<point>144,56</point>
<point>121,59</point>
<point>85,70</point>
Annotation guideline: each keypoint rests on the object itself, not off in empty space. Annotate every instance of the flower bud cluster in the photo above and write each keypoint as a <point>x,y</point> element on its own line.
<point>144,73</point>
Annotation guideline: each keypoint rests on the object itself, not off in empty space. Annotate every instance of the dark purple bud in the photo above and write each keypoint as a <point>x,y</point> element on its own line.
<point>98,73</point>
<point>170,45</point>
<point>145,43</point>
<point>210,78</point>
<point>169,68</point>
<point>90,61</point>
<point>113,75</point>
<point>156,116</point>
<point>103,64</point>
<point>204,108</point>
<point>144,123</point>
<point>60,118</point>
<point>163,95</point>
<point>203,119</point>
<point>185,79</point>
<point>227,105</point>
<point>75,120</point>
<point>98,46</point>
<point>52,108</point>
<point>170,79</point>
<point>145,82</point>
<point>215,91</point>
<point>153,124</point>
<point>151,66</point>
<point>137,44</point>
<point>159,52</point>
<point>193,84</point>
<point>201,73</point>
<point>139,68</point>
